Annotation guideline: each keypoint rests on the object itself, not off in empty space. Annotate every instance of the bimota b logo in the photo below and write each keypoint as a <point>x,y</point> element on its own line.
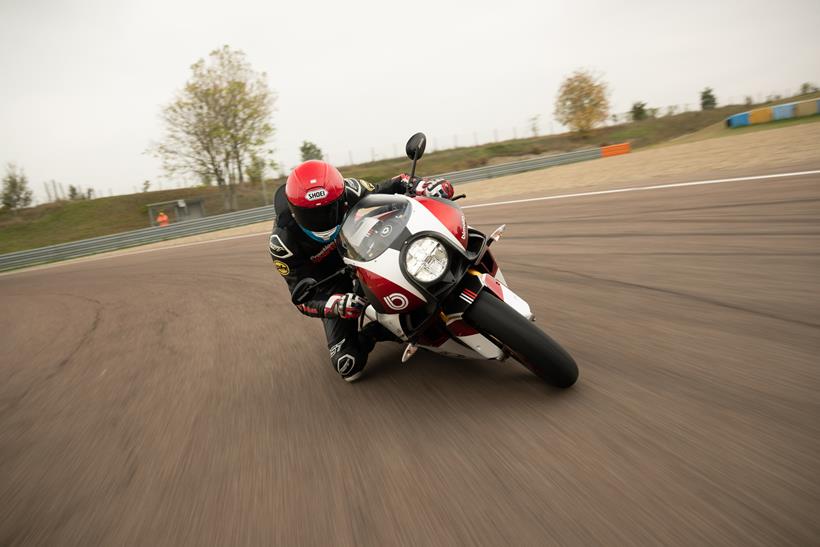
<point>316,194</point>
<point>396,301</point>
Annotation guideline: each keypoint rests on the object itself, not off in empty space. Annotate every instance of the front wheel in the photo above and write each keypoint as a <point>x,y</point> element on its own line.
<point>528,344</point>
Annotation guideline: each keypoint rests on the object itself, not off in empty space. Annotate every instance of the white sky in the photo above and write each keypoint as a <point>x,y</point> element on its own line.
<point>82,82</point>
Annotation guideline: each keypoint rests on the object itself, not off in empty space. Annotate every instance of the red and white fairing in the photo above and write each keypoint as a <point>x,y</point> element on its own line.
<point>383,275</point>
<point>392,294</point>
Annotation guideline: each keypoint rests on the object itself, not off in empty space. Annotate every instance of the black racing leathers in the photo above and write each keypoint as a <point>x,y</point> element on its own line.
<point>297,256</point>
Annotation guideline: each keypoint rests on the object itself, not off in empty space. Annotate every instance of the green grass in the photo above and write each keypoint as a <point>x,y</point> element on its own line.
<point>69,221</point>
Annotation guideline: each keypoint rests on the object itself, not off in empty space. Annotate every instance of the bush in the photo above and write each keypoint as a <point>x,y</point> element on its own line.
<point>708,101</point>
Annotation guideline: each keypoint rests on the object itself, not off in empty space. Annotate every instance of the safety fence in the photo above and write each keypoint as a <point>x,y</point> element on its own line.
<point>86,247</point>
<point>771,113</point>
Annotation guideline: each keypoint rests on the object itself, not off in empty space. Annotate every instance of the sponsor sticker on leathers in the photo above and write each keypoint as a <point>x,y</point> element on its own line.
<point>281,267</point>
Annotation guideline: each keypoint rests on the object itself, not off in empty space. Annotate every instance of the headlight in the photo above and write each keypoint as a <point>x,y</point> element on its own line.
<point>426,259</point>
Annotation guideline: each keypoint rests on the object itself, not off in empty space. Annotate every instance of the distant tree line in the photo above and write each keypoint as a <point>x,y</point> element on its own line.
<point>218,127</point>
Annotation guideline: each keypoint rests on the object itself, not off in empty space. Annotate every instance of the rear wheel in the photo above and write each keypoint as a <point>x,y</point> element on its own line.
<point>528,344</point>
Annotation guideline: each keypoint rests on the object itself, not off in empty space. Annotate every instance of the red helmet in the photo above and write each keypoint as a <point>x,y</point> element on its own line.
<point>316,196</point>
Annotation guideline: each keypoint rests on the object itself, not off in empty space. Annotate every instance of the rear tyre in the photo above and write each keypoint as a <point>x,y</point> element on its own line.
<point>528,344</point>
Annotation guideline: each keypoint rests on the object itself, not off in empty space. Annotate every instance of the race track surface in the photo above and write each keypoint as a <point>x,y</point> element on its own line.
<point>176,398</point>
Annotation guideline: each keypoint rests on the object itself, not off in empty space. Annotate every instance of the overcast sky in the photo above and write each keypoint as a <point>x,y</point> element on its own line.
<point>82,82</point>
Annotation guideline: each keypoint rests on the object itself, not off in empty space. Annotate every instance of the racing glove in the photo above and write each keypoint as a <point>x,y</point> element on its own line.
<point>403,181</point>
<point>435,188</point>
<point>345,306</point>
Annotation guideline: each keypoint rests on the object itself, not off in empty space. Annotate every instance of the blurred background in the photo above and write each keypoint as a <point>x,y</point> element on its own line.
<point>656,165</point>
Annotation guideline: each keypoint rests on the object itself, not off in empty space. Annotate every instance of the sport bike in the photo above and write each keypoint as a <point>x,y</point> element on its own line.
<point>432,281</point>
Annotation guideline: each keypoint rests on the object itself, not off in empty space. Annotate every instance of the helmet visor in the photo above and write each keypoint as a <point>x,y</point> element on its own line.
<point>319,219</point>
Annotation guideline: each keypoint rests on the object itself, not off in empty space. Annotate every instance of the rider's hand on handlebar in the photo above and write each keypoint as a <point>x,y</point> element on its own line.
<point>345,306</point>
<point>404,178</point>
<point>434,188</point>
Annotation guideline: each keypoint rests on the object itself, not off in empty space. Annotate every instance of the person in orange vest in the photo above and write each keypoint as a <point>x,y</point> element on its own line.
<point>162,219</point>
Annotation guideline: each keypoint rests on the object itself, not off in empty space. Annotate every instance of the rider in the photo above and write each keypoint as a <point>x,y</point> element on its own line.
<point>310,209</point>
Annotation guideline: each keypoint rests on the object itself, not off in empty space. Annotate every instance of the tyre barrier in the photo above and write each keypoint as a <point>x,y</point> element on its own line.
<point>773,113</point>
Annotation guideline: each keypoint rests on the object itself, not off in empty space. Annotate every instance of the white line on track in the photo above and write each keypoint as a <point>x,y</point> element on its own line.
<point>644,188</point>
<point>492,204</point>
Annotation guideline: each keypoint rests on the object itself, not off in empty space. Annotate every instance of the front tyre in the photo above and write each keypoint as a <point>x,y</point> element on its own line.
<point>527,343</point>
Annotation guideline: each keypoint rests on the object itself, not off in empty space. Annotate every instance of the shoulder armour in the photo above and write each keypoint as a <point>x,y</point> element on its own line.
<point>281,245</point>
<point>354,186</point>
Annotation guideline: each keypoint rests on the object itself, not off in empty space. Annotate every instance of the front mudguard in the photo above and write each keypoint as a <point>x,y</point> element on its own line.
<point>473,283</point>
<point>462,298</point>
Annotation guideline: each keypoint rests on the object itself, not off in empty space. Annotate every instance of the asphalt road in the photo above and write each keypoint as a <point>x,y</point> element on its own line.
<point>176,398</point>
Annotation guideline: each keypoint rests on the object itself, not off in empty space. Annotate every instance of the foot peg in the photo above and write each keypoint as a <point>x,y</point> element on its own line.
<point>409,351</point>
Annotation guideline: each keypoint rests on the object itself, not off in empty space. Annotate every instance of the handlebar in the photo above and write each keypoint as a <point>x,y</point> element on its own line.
<point>306,288</point>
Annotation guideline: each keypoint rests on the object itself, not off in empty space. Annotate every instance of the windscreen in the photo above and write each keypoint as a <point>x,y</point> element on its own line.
<point>373,225</point>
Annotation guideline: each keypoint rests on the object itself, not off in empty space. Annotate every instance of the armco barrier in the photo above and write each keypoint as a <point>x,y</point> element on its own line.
<point>96,245</point>
<point>112,242</point>
<point>503,169</point>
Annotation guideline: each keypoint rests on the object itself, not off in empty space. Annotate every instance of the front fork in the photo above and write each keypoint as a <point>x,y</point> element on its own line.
<point>454,307</point>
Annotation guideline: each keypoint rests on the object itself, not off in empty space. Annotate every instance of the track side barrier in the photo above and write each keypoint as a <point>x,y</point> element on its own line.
<point>770,113</point>
<point>615,149</point>
<point>86,247</point>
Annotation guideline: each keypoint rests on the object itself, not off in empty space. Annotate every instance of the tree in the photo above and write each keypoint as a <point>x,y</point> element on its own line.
<point>76,193</point>
<point>748,101</point>
<point>256,169</point>
<point>146,184</point>
<point>219,120</point>
<point>310,151</point>
<point>534,125</point>
<point>582,101</point>
<point>707,99</point>
<point>807,88</point>
<point>16,193</point>
<point>638,111</point>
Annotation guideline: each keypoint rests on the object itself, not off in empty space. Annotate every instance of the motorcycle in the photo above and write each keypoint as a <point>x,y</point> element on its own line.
<point>432,281</point>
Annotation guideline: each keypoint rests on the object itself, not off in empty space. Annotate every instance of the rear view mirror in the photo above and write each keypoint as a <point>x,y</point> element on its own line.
<point>303,291</point>
<point>415,146</point>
